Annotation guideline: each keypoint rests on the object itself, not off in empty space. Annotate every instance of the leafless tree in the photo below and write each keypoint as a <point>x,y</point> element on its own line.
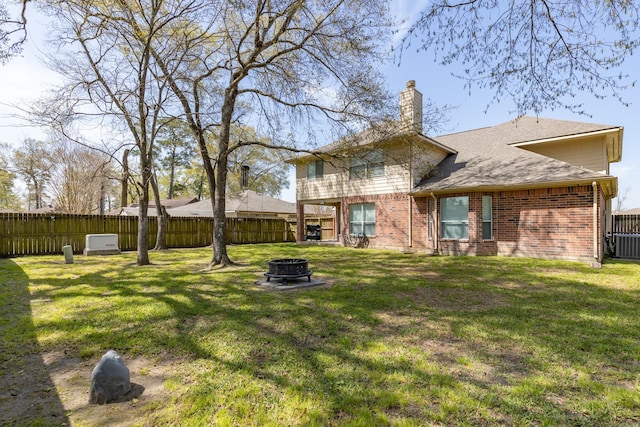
<point>13,29</point>
<point>293,61</point>
<point>538,53</point>
<point>80,178</point>
<point>112,74</point>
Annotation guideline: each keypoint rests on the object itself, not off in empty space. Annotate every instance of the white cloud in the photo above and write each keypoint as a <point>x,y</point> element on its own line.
<point>405,13</point>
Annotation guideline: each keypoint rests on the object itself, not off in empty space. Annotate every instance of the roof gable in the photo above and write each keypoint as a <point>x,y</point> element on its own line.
<point>485,158</point>
<point>387,133</point>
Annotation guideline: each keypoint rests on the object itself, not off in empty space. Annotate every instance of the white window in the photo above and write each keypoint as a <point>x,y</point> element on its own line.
<point>487,218</point>
<point>315,169</point>
<point>367,166</point>
<point>362,219</point>
<point>454,218</point>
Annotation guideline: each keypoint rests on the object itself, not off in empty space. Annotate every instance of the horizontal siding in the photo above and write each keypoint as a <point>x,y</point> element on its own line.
<point>338,184</point>
<point>589,153</point>
<point>398,161</point>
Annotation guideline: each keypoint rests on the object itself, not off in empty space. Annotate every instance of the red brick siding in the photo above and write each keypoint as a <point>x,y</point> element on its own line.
<point>544,223</point>
<point>392,219</point>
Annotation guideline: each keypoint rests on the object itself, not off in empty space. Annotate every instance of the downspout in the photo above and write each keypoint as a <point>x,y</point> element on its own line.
<point>435,222</point>
<point>410,215</point>
<point>596,251</point>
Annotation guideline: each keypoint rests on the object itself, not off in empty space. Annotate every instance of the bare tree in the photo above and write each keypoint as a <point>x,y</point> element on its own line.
<point>621,199</point>
<point>80,178</point>
<point>292,60</point>
<point>539,53</point>
<point>13,29</point>
<point>111,72</point>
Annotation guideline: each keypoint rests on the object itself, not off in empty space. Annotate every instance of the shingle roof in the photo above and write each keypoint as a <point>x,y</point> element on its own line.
<point>634,211</point>
<point>247,201</point>
<point>382,133</point>
<point>250,201</point>
<point>527,128</point>
<point>485,158</point>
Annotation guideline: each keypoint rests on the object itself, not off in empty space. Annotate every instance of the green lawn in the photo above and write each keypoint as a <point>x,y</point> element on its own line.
<point>393,339</point>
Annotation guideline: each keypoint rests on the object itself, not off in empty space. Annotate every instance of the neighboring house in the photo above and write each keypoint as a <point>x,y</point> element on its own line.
<point>248,204</point>
<point>132,209</point>
<point>528,187</point>
<point>634,211</point>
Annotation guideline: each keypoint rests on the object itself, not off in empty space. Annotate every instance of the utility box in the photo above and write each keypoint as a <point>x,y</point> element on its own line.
<point>627,245</point>
<point>67,250</point>
<point>101,244</point>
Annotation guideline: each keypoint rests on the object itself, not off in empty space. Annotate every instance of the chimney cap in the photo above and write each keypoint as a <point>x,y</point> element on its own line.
<point>411,84</point>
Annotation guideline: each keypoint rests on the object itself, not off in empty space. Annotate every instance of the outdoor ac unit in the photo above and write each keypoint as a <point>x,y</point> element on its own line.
<point>101,244</point>
<point>627,245</point>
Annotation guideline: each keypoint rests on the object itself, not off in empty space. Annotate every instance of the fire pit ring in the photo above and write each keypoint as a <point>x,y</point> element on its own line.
<point>287,269</point>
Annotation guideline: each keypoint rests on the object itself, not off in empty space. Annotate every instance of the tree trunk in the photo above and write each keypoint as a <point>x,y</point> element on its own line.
<point>125,180</point>
<point>143,229</point>
<point>220,256</point>
<point>172,166</point>
<point>163,217</point>
<point>143,218</point>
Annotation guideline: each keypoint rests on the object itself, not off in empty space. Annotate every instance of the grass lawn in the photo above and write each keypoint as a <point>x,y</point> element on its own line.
<point>392,339</point>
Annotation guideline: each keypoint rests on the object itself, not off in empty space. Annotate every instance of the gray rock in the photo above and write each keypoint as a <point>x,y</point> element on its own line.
<point>110,379</point>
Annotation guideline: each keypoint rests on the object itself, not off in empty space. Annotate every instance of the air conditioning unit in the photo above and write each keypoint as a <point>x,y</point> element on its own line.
<point>101,244</point>
<point>627,245</point>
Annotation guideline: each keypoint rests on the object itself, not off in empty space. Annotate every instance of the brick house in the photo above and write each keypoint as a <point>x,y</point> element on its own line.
<point>528,187</point>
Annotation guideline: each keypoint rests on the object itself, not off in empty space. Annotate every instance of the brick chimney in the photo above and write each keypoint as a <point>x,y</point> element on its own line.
<point>411,108</point>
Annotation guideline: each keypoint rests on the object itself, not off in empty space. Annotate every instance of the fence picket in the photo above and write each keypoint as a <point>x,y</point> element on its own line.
<point>35,234</point>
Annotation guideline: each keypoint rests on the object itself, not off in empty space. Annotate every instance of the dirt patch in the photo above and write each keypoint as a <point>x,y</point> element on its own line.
<point>53,388</point>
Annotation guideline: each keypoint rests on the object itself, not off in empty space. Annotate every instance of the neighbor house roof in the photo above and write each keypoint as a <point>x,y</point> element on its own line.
<point>170,203</point>
<point>250,201</point>
<point>247,201</point>
<point>634,211</point>
<point>486,158</point>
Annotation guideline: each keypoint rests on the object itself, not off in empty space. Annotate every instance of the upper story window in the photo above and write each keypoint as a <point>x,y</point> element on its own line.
<point>366,166</point>
<point>315,169</point>
<point>454,217</point>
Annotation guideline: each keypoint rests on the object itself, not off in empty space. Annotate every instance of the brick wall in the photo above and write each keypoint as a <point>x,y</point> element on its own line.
<point>392,219</point>
<point>552,223</point>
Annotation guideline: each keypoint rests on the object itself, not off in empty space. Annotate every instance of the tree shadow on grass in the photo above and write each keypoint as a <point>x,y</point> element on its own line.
<point>384,343</point>
<point>28,395</point>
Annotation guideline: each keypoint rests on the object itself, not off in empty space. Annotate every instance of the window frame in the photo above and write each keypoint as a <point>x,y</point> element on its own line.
<point>366,221</point>
<point>370,165</point>
<point>315,174</point>
<point>446,224</point>
<point>487,217</point>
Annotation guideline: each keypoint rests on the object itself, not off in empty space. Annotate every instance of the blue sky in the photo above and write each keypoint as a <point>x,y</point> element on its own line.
<point>435,82</point>
<point>26,78</point>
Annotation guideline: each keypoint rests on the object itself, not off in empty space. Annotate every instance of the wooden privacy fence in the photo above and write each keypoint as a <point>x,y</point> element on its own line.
<point>327,226</point>
<point>626,224</point>
<point>35,234</point>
